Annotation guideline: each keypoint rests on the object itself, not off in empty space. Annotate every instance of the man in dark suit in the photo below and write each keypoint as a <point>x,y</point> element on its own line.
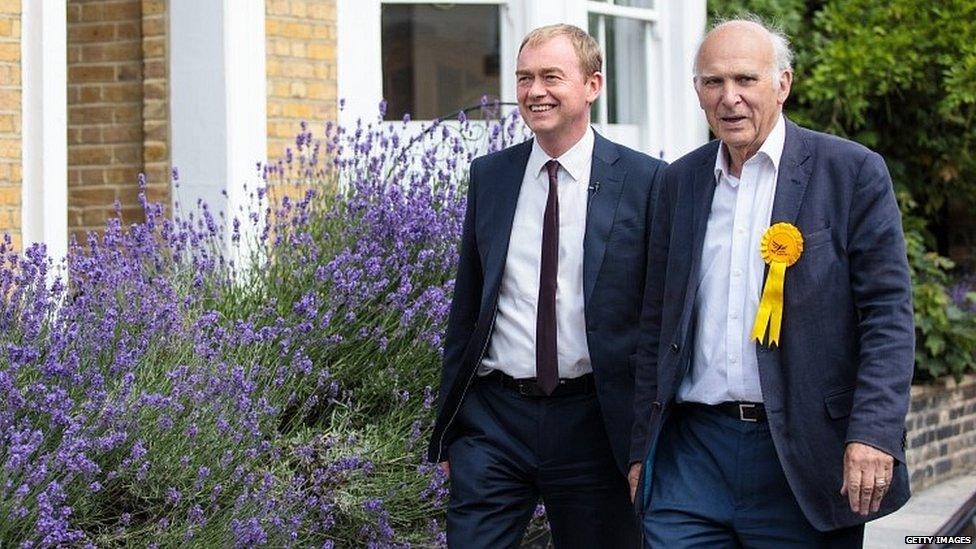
<point>536,396</point>
<point>793,238</point>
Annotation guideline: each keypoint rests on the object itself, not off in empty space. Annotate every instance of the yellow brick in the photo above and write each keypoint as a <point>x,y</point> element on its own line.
<point>298,110</point>
<point>121,11</point>
<point>91,73</point>
<point>153,7</point>
<point>9,196</point>
<point>318,10</point>
<point>298,49</point>
<point>297,30</point>
<point>318,90</point>
<point>298,89</point>
<point>89,33</point>
<point>10,148</point>
<point>9,52</point>
<point>6,27</point>
<point>277,7</point>
<point>9,100</point>
<point>321,51</point>
<point>298,8</point>
<point>155,152</point>
<point>10,7</point>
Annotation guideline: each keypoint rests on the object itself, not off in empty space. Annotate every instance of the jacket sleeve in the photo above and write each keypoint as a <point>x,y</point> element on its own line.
<point>882,291</point>
<point>649,335</point>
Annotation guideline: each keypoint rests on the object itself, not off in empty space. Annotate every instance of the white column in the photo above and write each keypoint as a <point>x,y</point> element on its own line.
<point>218,101</point>
<point>359,60</point>
<point>683,25</point>
<point>44,128</point>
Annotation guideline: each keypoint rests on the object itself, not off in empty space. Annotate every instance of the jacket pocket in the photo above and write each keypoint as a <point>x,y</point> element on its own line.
<point>839,403</point>
<point>816,238</point>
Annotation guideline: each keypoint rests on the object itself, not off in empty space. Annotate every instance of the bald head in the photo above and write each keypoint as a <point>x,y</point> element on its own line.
<point>751,32</point>
<point>742,78</point>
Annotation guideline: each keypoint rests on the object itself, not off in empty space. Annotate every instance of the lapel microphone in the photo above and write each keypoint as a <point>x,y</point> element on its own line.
<point>595,187</point>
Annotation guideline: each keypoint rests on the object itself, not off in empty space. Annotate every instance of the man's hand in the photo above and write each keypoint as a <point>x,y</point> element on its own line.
<point>633,477</point>
<point>445,468</point>
<point>867,477</point>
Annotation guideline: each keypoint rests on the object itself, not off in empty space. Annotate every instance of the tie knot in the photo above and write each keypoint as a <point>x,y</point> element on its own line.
<point>553,168</point>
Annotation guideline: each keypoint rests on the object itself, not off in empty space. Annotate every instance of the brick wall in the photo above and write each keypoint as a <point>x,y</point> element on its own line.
<point>10,121</point>
<point>117,108</point>
<point>104,110</point>
<point>155,100</point>
<point>941,431</point>
<point>301,67</point>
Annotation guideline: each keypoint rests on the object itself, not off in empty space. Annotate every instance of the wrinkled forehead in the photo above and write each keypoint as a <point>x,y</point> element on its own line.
<point>737,48</point>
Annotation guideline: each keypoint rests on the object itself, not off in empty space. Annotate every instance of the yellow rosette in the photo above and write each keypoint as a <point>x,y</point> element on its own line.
<point>780,248</point>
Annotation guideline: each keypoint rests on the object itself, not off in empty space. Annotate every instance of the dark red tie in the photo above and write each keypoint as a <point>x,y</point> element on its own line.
<point>546,362</point>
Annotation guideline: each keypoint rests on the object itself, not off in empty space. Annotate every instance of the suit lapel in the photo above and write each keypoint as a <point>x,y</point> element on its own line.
<point>794,174</point>
<point>607,182</point>
<point>509,184</point>
<point>702,193</point>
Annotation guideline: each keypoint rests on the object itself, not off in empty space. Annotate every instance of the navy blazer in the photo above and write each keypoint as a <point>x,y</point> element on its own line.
<point>614,257</point>
<point>843,369</point>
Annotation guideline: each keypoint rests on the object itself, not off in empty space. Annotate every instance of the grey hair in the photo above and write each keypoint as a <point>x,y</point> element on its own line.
<point>782,53</point>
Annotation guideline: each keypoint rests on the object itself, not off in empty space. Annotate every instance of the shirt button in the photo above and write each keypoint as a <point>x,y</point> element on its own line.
<point>741,231</point>
<point>736,272</point>
<point>733,359</point>
<point>734,315</point>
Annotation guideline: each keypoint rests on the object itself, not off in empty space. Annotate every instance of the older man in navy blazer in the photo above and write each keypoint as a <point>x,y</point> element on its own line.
<point>798,438</point>
<point>536,396</point>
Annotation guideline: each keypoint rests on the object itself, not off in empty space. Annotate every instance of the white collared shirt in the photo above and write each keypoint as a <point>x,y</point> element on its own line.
<point>724,364</point>
<point>512,345</point>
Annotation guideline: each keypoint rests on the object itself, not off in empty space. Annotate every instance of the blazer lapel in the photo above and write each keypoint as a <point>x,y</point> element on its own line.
<point>702,193</point>
<point>606,183</point>
<point>509,185</point>
<point>794,174</point>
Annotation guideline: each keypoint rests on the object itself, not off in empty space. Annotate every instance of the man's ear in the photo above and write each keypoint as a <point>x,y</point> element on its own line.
<point>785,85</point>
<point>594,85</point>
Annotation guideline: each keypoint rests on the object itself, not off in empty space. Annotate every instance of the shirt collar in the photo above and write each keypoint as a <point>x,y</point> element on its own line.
<point>574,161</point>
<point>772,148</point>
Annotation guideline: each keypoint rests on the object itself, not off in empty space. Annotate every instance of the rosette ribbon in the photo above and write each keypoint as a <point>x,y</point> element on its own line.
<point>780,247</point>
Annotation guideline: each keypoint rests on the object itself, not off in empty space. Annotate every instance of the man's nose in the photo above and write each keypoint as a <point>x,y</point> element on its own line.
<point>537,89</point>
<point>730,95</point>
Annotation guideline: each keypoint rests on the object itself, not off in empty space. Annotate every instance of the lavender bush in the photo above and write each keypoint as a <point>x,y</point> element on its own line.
<point>156,392</point>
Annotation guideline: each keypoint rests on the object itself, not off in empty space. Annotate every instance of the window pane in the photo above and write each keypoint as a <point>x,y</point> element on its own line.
<point>626,67</point>
<point>635,3</point>
<point>439,58</point>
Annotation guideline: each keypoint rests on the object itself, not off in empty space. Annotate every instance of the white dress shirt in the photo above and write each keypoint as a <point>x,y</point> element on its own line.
<point>724,364</point>
<point>512,345</point>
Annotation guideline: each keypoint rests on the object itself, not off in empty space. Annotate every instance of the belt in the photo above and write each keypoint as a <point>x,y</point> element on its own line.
<point>743,411</point>
<point>527,386</point>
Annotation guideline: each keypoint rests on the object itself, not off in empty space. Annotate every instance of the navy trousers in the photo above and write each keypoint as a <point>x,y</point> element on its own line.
<point>717,482</point>
<point>512,450</point>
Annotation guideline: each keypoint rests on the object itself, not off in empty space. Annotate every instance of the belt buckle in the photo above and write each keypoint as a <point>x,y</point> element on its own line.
<point>525,387</point>
<point>743,406</point>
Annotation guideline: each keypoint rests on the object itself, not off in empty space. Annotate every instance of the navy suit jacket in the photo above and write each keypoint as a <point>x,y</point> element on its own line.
<point>845,361</point>
<point>614,259</point>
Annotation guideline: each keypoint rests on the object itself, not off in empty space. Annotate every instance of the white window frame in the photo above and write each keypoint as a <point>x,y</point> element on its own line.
<point>674,126</point>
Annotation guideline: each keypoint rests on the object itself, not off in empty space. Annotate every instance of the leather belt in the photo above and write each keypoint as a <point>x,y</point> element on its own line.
<point>527,386</point>
<point>751,412</point>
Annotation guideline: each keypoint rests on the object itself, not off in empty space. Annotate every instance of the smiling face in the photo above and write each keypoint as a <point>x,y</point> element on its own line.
<point>554,95</point>
<point>739,88</point>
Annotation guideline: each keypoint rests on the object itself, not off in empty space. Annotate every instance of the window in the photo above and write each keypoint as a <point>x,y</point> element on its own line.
<point>439,58</point>
<point>624,30</point>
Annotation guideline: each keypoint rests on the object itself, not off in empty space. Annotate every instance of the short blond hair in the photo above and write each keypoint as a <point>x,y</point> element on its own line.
<point>587,50</point>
